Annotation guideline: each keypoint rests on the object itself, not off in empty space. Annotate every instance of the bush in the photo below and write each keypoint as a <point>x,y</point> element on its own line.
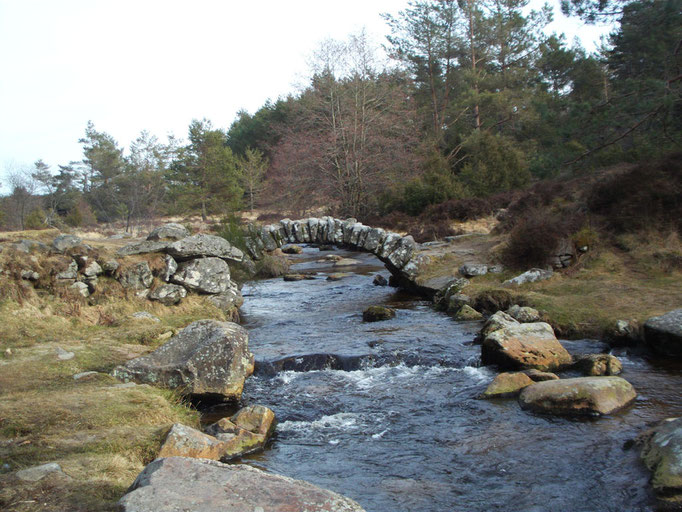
<point>460,209</point>
<point>533,240</point>
<point>35,219</point>
<point>647,195</point>
<point>232,230</point>
<point>433,187</point>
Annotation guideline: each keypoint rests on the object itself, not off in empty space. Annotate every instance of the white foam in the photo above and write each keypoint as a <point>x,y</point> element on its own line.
<point>477,373</point>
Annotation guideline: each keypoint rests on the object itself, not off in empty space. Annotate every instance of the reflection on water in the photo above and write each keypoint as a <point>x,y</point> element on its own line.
<point>397,425</point>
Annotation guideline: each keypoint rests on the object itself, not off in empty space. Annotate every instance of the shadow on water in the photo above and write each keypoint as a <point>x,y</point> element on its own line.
<point>387,413</point>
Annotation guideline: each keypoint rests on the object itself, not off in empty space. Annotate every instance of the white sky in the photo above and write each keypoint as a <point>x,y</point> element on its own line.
<point>130,65</point>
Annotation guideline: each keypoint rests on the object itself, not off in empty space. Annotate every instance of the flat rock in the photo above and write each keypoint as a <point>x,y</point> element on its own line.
<point>298,277</point>
<point>37,473</point>
<point>664,333</point>
<point>179,484</point>
<point>145,315</point>
<point>530,276</point>
<point>592,396</point>
<point>204,246</point>
<point>346,262</point>
<point>662,454</point>
<point>524,346</point>
<point>507,384</point>
<point>144,247</point>
<point>473,269</point>
<point>337,276</point>
<point>170,231</point>
<point>206,358</point>
<point>205,275</point>
<point>168,294</point>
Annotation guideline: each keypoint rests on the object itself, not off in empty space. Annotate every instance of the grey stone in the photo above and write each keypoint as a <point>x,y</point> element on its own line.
<point>170,231</point>
<point>28,246</point>
<point>473,269</point>
<point>70,273</point>
<point>524,314</point>
<point>171,268</point>
<point>457,301</point>
<point>664,333</point>
<point>402,253</point>
<point>197,246</point>
<point>62,243</point>
<point>228,300</point>
<point>84,375</point>
<point>495,269</point>
<point>205,275</point>
<point>497,321</point>
<point>144,315</point>
<point>530,276</point>
<point>137,277</point>
<point>178,484</point>
<point>110,267</point>
<point>168,294</point>
<point>64,355</point>
<point>379,280</point>
<point>468,313</point>
<point>37,473</point>
<point>92,269</point>
<point>30,275</point>
<point>81,288</point>
<point>144,247</point>
<point>390,244</point>
<point>205,358</point>
<point>662,454</point>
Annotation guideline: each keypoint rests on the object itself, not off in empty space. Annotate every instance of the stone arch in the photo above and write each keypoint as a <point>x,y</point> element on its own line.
<point>397,252</point>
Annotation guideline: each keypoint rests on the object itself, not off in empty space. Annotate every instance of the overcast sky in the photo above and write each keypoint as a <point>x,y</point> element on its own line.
<point>130,65</point>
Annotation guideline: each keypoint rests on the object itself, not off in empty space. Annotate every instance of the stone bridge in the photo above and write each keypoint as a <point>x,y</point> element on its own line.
<point>397,252</point>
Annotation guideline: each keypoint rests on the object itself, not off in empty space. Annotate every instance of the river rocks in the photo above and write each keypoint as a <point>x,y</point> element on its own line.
<point>457,302</point>
<point>206,357</point>
<point>337,276</point>
<point>346,262</point>
<point>245,432</point>
<point>507,384</point>
<point>598,364</point>
<point>204,275</point>
<point>184,441</point>
<point>662,454</point>
<point>452,287</point>
<point>492,301</point>
<point>297,277</point>
<point>524,346</point>
<point>592,396</point>
<point>468,313</point>
<point>136,277</point>
<point>377,314</point>
<point>177,484</point>
<point>538,376</point>
<point>379,280</point>
<point>531,276</point>
<point>524,314</point>
<point>204,246</point>
<point>255,418</point>
<point>473,269</point>
<point>64,242</point>
<point>664,333</point>
<point>168,294</point>
<point>170,231</point>
<point>292,249</point>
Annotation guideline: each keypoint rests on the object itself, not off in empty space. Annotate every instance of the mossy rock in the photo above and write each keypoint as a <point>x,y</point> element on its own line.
<point>468,313</point>
<point>377,314</point>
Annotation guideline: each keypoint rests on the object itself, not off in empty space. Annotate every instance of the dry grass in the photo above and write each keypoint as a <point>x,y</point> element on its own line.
<point>100,434</point>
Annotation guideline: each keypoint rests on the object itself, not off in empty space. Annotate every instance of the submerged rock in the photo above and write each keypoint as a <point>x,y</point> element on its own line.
<point>662,454</point>
<point>337,276</point>
<point>598,364</point>
<point>206,358</point>
<point>507,384</point>
<point>379,280</point>
<point>592,396</point>
<point>297,277</point>
<point>664,333</point>
<point>176,484</point>
<point>525,346</point>
<point>377,314</point>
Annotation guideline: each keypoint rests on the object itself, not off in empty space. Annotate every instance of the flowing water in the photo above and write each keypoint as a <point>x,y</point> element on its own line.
<point>387,412</point>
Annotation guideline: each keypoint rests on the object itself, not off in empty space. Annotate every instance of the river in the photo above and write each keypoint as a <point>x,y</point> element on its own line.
<point>387,413</point>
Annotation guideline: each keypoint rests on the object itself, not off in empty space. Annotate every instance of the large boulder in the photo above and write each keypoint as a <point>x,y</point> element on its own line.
<point>144,247</point>
<point>662,454</point>
<point>206,358</point>
<point>664,333</point>
<point>592,396</point>
<point>525,346</point>
<point>200,246</point>
<point>170,231</point>
<point>178,484</point>
<point>228,300</point>
<point>205,275</point>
